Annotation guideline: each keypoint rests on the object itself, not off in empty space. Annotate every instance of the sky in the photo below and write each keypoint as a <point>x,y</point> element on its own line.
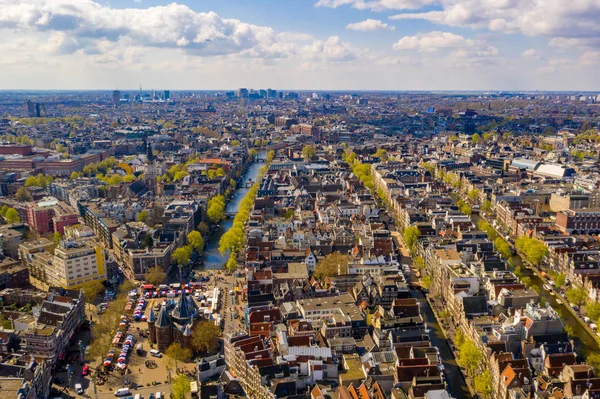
<point>300,44</point>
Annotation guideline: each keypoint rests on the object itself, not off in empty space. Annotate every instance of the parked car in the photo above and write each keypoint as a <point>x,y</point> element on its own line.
<point>85,370</point>
<point>155,353</point>
<point>79,388</point>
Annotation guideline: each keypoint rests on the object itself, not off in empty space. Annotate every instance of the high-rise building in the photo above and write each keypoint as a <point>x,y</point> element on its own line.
<point>243,93</point>
<point>167,95</point>
<point>271,93</point>
<point>116,97</point>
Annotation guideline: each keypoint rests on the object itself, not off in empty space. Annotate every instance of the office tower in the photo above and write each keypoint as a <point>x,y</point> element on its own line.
<point>167,95</point>
<point>116,97</point>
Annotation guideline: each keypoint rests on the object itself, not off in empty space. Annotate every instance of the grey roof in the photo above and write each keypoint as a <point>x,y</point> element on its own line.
<point>163,318</point>
<point>151,316</point>
<point>182,310</point>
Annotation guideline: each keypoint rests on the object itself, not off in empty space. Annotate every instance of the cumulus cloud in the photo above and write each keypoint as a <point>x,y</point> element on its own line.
<point>376,5</point>
<point>568,19</point>
<point>432,41</point>
<point>80,25</point>
<point>369,25</point>
<point>531,53</point>
<point>332,49</point>
<point>459,52</point>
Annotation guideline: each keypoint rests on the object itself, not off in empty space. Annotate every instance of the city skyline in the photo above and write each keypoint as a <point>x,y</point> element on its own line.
<point>395,45</point>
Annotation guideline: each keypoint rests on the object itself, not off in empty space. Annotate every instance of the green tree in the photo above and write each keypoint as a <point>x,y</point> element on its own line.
<point>419,262</point>
<point>486,206</point>
<point>12,216</point>
<point>593,360</point>
<point>270,157</point>
<point>181,387</point>
<point>533,249</point>
<point>220,172</point>
<point>470,357</point>
<point>155,275</point>
<point>289,214</point>
<point>503,248</point>
<point>382,154</point>
<point>202,227</point>
<point>475,138</point>
<point>592,310</point>
<point>577,295</point>
<point>115,180</point>
<point>308,152</point>
<point>178,353</point>
<point>23,195</point>
<point>205,336</point>
<point>560,280</point>
<point>483,384</point>
<point>57,238</point>
<point>474,195</point>
<point>195,239</point>
<point>148,241</point>
<point>231,264</point>
<point>142,216</point>
<point>527,281</point>
<point>411,237</point>
<point>181,256</point>
<point>128,178</point>
<point>426,282</point>
<point>91,290</point>
<point>216,209</point>
<point>252,153</point>
<point>333,264</point>
<point>235,143</point>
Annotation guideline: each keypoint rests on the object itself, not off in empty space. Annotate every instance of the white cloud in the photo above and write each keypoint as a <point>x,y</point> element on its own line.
<point>558,18</point>
<point>432,41</point>
<point>105,33</point>
<point>369,25</point>
<point>376,5</point>
<point>458,51</point>
<point>531,53</point>
<point>332,49</point>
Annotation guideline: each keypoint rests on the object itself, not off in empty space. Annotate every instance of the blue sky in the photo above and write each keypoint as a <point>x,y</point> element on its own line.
<point>301,44</point>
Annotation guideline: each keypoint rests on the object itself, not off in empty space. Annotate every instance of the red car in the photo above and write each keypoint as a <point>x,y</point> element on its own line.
<point>85,370</point>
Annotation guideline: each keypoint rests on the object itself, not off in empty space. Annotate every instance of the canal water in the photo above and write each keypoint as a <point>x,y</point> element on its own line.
<point>582,338</point>
<point>211,256</point>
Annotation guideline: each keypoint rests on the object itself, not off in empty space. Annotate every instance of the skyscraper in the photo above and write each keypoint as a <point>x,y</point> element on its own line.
<point>116,97</point>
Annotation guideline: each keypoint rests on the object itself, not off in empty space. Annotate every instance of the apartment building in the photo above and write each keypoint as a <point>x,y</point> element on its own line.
<point>75,263</point>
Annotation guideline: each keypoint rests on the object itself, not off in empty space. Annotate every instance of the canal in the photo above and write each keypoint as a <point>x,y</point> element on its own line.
<point>452,373</point>
<point>581,336</point>
<point>212,257</point>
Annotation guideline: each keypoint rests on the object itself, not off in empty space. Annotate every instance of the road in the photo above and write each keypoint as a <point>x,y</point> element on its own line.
<point>454,377</point>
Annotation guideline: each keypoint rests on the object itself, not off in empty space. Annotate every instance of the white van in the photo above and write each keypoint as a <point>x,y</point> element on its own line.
<point>155,353</point>
<point>158,395</point>
<point>122,392</point>
<point>137,396</point>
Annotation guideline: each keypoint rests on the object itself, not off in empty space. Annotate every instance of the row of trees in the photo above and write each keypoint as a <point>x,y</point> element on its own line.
<point>411,237</point>
<point>39,180</point>
<point>471,358</point>
<point>533,249</point>
<point>234,238</point>
<point>216,209</point>
<point>464,207</point>
<point>500,243</point>
<point>100,167</point>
